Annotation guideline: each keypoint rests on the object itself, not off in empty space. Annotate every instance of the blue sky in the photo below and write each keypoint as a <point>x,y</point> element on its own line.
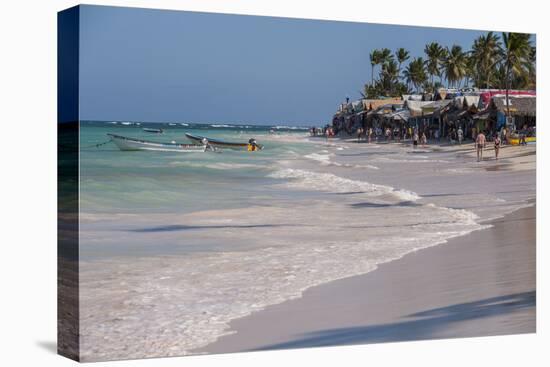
<point>158,65</point>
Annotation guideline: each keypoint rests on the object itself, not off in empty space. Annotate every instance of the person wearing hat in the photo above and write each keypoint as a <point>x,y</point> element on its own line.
<point>252,146</point>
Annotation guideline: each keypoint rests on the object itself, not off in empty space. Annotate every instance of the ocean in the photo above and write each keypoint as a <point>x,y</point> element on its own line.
<point>174,246</point>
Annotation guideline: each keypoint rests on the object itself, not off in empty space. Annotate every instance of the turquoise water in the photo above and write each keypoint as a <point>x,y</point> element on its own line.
<point>114,181</point>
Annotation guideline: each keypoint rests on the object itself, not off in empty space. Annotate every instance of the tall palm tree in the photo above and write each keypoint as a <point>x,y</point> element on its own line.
<point>485,53</point>
<point>500,76</point>
<point>385,56</point>
<point>415,73</point>
<point>434,53</point>
<point>455,65</point>
<point>374,57</point>
<point>532,80</point>
<point>516,51</point>
<point>470,71</point>
<point>389,76</point>
<point>401,55</point>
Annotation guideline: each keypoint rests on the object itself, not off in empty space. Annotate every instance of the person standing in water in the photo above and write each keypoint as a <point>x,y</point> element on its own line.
<point>497,146</point>
<point>480,144</point>
<point>252,145</point>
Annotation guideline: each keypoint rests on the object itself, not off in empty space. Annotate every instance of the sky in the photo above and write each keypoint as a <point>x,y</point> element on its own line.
<point>158,65</point>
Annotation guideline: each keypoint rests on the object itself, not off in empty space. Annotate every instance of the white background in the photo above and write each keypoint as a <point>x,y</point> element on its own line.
<point>28,181</point>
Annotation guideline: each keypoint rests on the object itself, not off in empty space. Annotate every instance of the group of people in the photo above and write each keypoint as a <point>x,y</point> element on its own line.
<point>456,135</point>
<point>481,144</point>
<point>387,134</point>
<point>329,132</point>
<point>416,137</point>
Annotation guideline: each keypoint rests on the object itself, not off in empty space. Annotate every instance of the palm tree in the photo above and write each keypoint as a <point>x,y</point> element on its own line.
<point>386,56</point>
<point>516,51</point>
<point>454,65</point>
<point>435,54</point>
<point>389,76</point>
<point>402,55</point>
<point>374,57</point>
<point>470,71</point>
<point>485,54</point>
<point>500,76</point>
<point>532,79</point>
<point>415,73</point>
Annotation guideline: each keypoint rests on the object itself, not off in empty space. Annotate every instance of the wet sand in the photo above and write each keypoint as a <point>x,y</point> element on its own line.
<point>476,285</point>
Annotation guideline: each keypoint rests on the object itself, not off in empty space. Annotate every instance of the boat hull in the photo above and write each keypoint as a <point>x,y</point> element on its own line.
<point>154,131</point>
<point>218,143</point>
<point>130,144</point>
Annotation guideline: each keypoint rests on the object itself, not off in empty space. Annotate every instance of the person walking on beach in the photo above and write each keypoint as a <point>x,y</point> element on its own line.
<point>415,139</point>
<point>359,134</point>
<point>423,140</point>
<point>370,134</point>
<point>480,144</point>
<point>460,135</point>
<point>497,146</point>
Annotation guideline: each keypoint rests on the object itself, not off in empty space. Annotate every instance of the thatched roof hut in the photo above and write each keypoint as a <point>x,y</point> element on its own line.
<point>518,106</point>
<point>373,104</point>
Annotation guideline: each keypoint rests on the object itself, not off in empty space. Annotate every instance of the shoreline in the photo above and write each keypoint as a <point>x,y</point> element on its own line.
<point>444,291</point>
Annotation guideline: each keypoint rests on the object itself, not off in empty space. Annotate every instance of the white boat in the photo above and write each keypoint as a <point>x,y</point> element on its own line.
<point>152,130</point>
<point>220,143</point>
<point>125,143</point>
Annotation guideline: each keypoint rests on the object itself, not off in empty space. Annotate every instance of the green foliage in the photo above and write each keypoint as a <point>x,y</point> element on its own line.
<point>415,73</point>
<point>507,62</point>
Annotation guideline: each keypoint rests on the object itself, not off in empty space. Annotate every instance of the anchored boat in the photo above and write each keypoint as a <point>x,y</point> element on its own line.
<point>220,143</point>
<point>125,143</point>
<point>152,130</point>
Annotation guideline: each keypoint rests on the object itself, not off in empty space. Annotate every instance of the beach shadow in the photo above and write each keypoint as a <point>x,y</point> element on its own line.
<point>424,325</point>
<point>384,205</point>
<point>499,167</point>
<point>364,153</point>
<point>348,193</point>
<point>177,227</point>
<point>438,195</point>
<point>48,345</point>
<point>515,220</point>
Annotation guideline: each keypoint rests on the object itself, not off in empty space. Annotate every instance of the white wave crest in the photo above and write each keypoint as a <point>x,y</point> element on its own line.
<point>308,180</point>
<point>218,165</point>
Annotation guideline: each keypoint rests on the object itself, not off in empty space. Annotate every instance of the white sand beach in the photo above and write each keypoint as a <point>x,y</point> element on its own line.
<point>479,284</point>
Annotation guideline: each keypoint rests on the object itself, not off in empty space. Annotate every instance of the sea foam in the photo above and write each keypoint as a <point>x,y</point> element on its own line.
<point>308,180</point>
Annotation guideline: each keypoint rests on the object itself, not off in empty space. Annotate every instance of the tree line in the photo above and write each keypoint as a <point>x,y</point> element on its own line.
<point>506,61</point>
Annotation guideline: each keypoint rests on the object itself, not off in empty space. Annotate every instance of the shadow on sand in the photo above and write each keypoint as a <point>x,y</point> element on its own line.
<point>424,325</point>
<point>178,227</point>
<point>367,204</point>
